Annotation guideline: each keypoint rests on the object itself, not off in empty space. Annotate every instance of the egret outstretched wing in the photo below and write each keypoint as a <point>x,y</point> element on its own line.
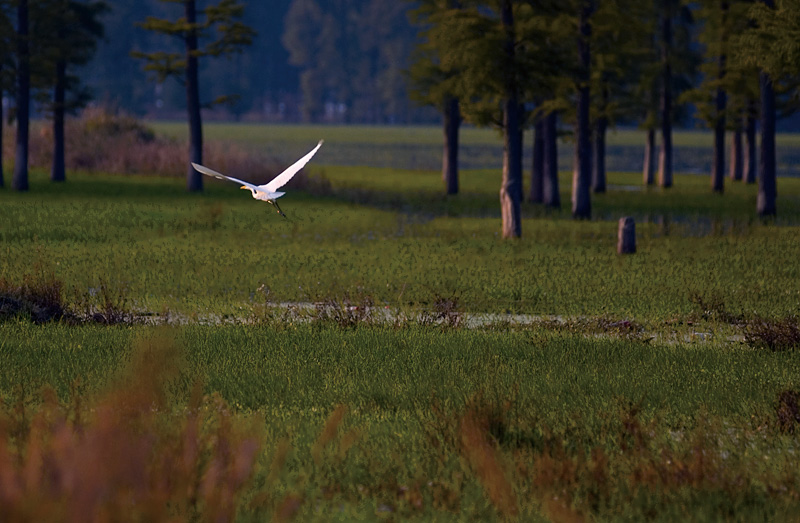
<point>280,180</point>
<point>215,174</point>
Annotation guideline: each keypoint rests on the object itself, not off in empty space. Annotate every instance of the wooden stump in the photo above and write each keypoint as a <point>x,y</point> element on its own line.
<point>626,236</point>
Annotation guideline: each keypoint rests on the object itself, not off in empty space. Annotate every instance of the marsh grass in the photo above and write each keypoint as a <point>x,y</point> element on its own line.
<point>210,253</point>
<point>330,414</point>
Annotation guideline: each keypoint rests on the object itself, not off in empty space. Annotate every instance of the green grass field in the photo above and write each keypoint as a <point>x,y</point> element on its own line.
<point>420,147</point>
<point>646,390</point>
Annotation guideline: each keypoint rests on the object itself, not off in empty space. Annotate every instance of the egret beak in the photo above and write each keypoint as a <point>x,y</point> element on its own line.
<point>244,187</point>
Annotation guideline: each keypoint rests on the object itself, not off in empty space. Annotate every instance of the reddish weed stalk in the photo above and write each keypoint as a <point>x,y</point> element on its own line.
<point>125,455</point>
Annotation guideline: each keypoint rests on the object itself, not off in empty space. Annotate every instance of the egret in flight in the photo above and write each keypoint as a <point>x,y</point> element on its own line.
<point>269,191</point>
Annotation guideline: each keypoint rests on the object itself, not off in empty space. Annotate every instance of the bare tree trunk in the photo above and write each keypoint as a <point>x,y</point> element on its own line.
<point>452,122</point>
<point>648,174</point>
<point>767,183</point>
<point>58,170</point>
<point>20,180</point>
<point>552,197</point>
<point>750,155</point>
<point>582,172</point>
<point>736,168</point>
<point>537,168</point>
<point>599,156</point>
<point>511,187</point>
<point>665,155</point>
<point>194,180</point>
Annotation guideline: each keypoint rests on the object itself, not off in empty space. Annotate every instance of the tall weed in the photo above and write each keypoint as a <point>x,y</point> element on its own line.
<point>126,455</point>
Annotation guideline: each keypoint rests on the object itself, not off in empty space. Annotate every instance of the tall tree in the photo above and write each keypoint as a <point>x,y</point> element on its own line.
<point>771,45</point>
<point>710,96</point>
<point>620,62</point>
<point>19,181</point>
<point>485,46</point>
<point>582,172</point>
<point>767,176</point>
<point>6,64</point>
<point>666,41</point>
<point>536,191</point>
<point>431,85</point>
<point>221,27</point>
<point>551,196</point>
<point>66,32</point>
<point>511,185</point>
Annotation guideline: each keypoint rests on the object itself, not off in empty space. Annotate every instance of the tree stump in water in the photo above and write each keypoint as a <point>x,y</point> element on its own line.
<point>626,236</point>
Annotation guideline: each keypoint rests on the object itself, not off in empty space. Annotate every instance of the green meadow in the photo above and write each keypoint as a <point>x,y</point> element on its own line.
<point>242,358</point>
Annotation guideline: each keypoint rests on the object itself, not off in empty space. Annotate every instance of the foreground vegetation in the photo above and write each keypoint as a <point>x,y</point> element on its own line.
<point>316,421</point>
<point>158,360</point>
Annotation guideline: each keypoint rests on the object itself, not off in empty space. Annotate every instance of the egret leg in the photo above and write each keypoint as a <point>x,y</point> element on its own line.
<point>273,202</point>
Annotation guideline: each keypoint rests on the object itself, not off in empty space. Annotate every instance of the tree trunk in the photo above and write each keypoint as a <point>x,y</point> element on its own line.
<point>718,165</point>
<point>582,172</point>
<point>58,170</point>
<point>537,168</point>
<point>511,187</point>
<point>665,155</point>
<point>599,156</point>
<point>552,197</point>
<point>194,180</point>
<point>750,156</point>
<point>736,168</point>
<point>452,121</point>
<point>648,174</point>
<point>767,184</point>
<point>718,168</point>
<point>2,175</point>
<point>20,179</point>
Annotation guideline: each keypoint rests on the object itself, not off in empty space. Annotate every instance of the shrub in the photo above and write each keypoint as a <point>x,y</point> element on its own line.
<point>37,297</point>
<point>775,335</point>
<point>105,140</point>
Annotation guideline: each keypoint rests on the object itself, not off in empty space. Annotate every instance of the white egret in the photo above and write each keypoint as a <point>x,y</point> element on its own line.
<point>269,191</point>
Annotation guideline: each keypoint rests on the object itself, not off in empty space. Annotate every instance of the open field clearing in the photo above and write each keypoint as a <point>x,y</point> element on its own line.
<point>420,147</point>
<point>157,360</point>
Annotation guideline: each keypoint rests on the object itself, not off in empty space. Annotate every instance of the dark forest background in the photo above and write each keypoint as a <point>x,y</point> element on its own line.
<point>373,47</point>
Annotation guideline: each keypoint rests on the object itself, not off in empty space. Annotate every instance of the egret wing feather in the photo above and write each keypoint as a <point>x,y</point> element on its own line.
<point>215,174</point>
<point>280,180</point>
